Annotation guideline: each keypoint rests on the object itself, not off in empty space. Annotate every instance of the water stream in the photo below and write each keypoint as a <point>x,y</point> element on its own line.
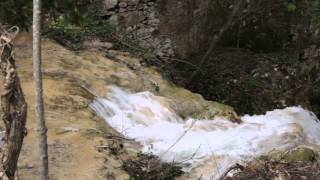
<point>198,142</point>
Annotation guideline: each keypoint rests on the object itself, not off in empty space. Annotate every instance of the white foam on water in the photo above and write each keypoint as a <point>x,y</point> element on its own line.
<point>161,131</point>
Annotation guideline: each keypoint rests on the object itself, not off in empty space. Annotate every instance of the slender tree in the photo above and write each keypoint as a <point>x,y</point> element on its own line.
<point>37,74</point>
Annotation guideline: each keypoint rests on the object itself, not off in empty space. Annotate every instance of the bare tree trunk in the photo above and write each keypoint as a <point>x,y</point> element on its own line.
<point>37,73</point>
<point>14,108</point>
<point>229,23</point>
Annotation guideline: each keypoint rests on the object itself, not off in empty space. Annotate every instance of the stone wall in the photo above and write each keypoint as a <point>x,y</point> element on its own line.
<point>180,28</point>
<point>140,20</point>
<point>170,27</point>
<point>184,28</point>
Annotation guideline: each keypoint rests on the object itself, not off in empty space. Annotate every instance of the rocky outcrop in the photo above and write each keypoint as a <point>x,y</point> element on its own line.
<point>71,81</point>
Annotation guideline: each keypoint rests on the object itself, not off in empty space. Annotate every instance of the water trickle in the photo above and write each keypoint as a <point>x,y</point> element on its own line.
<point>207,146</point>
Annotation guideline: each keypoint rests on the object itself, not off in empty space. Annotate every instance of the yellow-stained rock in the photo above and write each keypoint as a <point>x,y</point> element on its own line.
<point>71,81</point>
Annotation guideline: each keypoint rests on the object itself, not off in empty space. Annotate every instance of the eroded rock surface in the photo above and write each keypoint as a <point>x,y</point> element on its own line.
<point>71,81</point>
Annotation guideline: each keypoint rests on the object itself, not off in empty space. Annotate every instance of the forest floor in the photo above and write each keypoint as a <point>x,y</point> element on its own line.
<point>276,170</point>
<point>254,83</point>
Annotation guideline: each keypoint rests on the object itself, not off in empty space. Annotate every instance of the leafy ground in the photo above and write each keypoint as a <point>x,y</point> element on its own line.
<point>276,170</point>
<point>255,83</point>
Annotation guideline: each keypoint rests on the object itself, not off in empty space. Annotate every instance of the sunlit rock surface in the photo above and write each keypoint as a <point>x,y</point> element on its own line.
<point>166,120</point>
<point>71,82</point>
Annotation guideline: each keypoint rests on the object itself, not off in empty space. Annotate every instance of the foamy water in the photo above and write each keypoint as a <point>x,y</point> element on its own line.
<point>161,131</point>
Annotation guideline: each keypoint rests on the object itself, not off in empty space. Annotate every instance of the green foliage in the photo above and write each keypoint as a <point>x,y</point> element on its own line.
<point>19,12</point>
<point>315,11</point>
<point>73,22</point>
<point>71,33</point>
<point>16,12</point>
<point>291,7</point>
<point>69,22</point>
<point>312,7</point>
<point>75,12</point>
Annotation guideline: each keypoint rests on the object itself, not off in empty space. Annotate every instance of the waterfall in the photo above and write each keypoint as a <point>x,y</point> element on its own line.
<point>198,142</point>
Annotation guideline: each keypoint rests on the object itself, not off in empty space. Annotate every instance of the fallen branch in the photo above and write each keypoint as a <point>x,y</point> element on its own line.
<point>13,105</point>
<point>117,137</point>
<point>236,166</point>
<point>150,167</point>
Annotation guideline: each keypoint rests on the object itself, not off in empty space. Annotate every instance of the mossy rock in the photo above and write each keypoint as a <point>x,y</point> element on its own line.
<point>300,154</point>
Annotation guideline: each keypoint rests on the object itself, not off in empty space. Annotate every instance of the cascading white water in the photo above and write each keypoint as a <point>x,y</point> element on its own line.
<point>161,131</point>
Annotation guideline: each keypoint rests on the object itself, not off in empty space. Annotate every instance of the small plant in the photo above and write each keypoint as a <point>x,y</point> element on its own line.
<point>72,34</point>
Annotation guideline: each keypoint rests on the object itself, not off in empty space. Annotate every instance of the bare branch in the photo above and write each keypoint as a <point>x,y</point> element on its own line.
<point>236,166</point>
<point>217,37</point>
<point>13,106</point>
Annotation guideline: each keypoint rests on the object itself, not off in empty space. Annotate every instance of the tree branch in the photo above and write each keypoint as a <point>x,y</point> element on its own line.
<point>13,106</point>
<point>230,22</point>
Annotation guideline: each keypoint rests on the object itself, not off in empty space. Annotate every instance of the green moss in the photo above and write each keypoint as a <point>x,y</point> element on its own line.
<point>300,154</point>
<point>188,104</point>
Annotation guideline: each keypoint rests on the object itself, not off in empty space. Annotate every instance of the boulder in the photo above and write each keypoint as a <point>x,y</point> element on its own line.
<point>300,154</point>
<point>109,4</point>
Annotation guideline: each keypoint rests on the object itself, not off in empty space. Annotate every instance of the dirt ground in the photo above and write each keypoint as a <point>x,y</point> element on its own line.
<point>254,83</point>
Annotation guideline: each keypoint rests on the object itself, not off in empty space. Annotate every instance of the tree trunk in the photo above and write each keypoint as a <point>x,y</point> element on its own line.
<point>37,73</point>
<point>14,108</point>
